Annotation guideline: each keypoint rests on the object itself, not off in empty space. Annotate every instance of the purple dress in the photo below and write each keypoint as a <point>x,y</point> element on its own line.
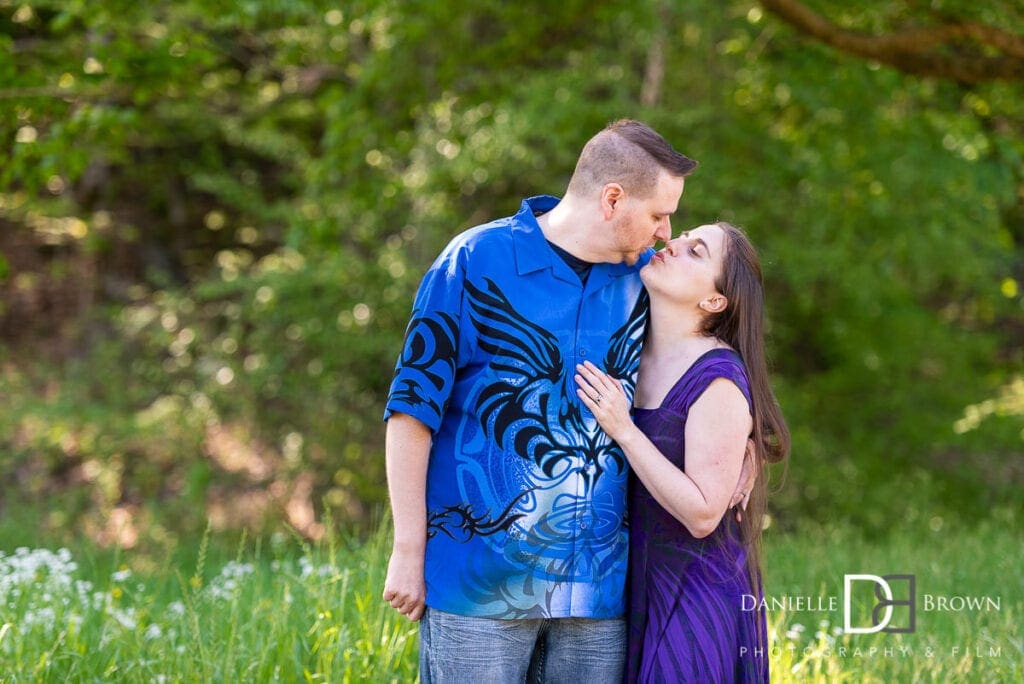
<point>687,621</point>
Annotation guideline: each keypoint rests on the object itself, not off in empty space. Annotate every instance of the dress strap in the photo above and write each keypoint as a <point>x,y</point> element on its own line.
<point>710,366</point>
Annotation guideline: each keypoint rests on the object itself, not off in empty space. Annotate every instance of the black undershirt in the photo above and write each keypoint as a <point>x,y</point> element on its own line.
<point>581,267</point>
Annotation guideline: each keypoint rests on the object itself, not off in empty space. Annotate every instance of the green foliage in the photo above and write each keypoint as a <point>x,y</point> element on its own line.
<point>267,614</point>
<point>238,199</point>
<point>271,611</point>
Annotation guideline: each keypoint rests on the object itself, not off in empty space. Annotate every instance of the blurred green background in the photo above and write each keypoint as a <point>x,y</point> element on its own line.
<point>214,215</point>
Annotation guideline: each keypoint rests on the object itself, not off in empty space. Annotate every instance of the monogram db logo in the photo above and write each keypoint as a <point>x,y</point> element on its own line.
<point>883,605</point>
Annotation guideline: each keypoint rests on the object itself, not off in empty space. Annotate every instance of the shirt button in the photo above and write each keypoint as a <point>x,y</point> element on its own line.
<point>583,352</point>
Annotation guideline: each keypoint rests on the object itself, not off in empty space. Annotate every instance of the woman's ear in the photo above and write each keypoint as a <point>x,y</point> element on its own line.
<point>714,304</point>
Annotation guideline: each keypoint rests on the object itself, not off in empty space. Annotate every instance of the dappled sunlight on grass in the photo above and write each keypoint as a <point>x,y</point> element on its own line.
<point>278,611</point>
<point>316,616</point>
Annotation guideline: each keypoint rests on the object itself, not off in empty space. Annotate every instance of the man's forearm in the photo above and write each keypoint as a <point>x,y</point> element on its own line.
<point>407,452</point>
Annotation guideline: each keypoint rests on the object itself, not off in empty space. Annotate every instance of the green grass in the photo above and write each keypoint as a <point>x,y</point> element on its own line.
<point>968,645</point>
<point>280,613</point>
<point>268,615</point>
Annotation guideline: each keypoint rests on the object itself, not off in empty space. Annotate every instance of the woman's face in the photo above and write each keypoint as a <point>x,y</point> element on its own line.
<point>686,269</point>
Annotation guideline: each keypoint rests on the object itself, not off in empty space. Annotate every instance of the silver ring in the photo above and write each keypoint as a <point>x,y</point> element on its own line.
<point>598,398</point>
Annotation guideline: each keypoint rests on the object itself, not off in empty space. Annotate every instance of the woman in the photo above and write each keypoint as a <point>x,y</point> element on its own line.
<point>701,391</point>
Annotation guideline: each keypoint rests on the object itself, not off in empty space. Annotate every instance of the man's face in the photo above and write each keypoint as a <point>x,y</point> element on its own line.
<point>643,221</point>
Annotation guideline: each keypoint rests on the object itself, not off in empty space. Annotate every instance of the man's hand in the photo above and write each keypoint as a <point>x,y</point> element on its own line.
<point>404,587</point>
<point>748,475</point>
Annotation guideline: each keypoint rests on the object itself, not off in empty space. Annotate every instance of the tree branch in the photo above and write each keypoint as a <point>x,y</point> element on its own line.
<point>945,51</point>
<point>654,74</point>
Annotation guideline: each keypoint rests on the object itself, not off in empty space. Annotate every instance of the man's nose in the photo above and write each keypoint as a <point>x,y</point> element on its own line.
<point>664,231</point>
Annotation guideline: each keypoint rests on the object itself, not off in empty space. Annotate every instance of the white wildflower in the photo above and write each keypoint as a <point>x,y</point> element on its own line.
<point>307,568</point>
<point>43,616</point>
<point>237,570</point>
<point>125,618</point>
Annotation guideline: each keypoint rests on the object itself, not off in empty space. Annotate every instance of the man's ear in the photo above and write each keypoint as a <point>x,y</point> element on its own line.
<point>611,195</point>
<point>714,303</point>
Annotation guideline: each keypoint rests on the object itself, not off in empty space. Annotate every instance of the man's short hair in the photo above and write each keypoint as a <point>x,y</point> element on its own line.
<point>631,154</point>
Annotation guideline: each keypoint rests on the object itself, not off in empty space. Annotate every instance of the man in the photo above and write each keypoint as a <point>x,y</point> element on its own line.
<point>508,499</point>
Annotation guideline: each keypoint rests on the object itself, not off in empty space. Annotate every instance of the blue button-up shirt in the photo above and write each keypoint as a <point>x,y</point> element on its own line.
<point>525,492</point>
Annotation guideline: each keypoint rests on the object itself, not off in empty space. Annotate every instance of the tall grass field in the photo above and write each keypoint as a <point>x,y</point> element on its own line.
<point>272,611</point>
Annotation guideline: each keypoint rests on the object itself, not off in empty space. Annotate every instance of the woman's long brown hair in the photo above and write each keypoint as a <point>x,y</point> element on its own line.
<point>741,325</point>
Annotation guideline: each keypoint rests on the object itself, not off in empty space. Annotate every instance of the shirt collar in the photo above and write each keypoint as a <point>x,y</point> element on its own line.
<point>532,252</point>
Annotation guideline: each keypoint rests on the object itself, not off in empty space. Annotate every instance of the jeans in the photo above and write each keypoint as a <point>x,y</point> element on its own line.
<point>456,649</point>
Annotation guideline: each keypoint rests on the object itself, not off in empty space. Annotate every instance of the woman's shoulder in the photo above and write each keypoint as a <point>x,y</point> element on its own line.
<point>718,363</point>
<point>719,360</point>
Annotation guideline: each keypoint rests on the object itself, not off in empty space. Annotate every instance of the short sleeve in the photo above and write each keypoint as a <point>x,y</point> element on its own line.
<point>425,371</point>
<point>719,363</point>
<point>731,370</point>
